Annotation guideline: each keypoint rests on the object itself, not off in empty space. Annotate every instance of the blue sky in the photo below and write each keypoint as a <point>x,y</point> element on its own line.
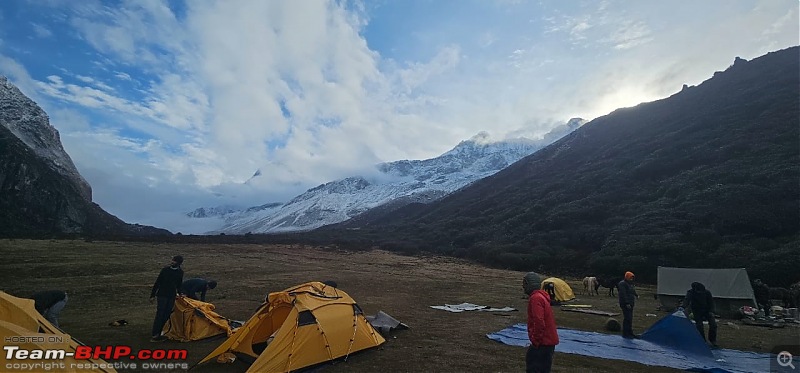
<point>165,106</point>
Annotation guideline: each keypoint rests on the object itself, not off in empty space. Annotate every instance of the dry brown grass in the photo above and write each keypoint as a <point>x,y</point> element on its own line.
<point>111,280</point>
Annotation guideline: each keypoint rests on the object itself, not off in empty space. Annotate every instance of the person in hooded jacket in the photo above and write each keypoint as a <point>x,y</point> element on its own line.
<point>541,326</point>
<point>700,301</point>
<point>166,288</point>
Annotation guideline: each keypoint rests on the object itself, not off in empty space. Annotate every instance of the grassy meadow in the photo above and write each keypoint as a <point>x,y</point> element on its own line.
<point>107,281</point>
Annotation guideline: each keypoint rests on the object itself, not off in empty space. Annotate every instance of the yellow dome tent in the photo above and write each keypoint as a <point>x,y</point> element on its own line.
<point>299,327</point>
<point>19,318</point>
<point>563,291</point>
<point>193,320</point>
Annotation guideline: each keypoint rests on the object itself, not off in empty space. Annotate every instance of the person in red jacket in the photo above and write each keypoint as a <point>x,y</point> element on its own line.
<point>541,326</point>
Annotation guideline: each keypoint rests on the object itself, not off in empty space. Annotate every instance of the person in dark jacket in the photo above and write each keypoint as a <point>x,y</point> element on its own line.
<point>49,303</point>
<point>541,326</point>
<point>166,288</point>
<point>701,303</point>
<point>193,286</point>
<point>550,288</point>
<point>761,293</point>
<point>627,299</point>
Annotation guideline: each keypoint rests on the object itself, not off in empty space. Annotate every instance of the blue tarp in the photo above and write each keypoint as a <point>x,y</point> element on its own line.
<point>660,346</point>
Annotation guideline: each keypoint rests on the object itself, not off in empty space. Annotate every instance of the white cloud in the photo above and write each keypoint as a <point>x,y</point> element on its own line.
<point>122,76</point>
<point>70,120</point>
<point>414,76</point>
<point>18,74</point>
<point>94,82</point>
<point>41,31</point>
<point>486,39</point>
<point>631,34</point>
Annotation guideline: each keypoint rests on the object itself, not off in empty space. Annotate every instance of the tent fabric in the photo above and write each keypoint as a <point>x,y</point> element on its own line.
<point>730,287</point>
<point>563,291</point>
<point>18,317</point>
<point>299,327</point>
<point>723,283</point>
<point>192,320</point>
<point>677,332</point>
<point>658,347</point>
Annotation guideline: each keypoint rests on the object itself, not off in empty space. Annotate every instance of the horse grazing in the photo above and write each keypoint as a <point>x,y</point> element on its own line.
<point>609,283</point>
<point>591,286</point>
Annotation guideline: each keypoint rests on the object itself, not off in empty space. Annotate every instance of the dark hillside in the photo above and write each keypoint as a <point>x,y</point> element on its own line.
<point>707,177</point>
<point>39,202</point>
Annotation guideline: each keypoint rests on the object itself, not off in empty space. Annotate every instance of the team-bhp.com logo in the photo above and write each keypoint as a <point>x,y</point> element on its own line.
<point>88,357</point>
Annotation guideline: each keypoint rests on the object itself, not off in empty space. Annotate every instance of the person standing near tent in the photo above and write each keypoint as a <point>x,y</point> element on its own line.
<point>761,293</point>
<point>541,326</point>
<point>701,303</point>
<point>167,287</point>
<point>49,303</point>
<point>193,286</point>
<point>627,299</point>
<point>550,288</point>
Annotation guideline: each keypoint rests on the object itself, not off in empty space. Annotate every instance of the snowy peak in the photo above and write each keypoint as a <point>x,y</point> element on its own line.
<point>482,137</point>
<point>207,212</point>
<point>348,185</point>
<point>398,183</point>
<point>28,122</point>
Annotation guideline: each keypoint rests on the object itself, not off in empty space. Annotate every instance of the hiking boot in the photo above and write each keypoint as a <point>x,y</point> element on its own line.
<point>714,346</point>
<point>631,336</point>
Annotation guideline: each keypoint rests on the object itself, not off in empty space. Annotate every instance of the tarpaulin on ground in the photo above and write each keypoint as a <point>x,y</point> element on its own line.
<point>385,323</point>
<point>471,307</point>
<point>608,346</point>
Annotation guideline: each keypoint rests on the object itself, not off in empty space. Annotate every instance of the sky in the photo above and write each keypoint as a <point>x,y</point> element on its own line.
<point>169,105</point>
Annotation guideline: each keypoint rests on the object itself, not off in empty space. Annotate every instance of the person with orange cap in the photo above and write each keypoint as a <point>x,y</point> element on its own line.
<point>627,299</point>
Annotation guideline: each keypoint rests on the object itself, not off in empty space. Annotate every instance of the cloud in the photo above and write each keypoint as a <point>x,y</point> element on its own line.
<point>630,35</point>
<point>41,31</point>
<point>122,76</point>
<point>18,74</point>
<point>70,120</point>
<point>91,97</point>
<point>417,74</point>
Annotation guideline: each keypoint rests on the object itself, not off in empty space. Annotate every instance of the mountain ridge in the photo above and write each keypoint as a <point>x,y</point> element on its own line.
<point>705,177</point>
<point>41,191</point>
<point>28,122</point>
<point>395,183</point>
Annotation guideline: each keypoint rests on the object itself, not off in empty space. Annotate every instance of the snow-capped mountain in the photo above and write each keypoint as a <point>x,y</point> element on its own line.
<point>398,183</point>
<point>229,212</point>
<point>28,122</point>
